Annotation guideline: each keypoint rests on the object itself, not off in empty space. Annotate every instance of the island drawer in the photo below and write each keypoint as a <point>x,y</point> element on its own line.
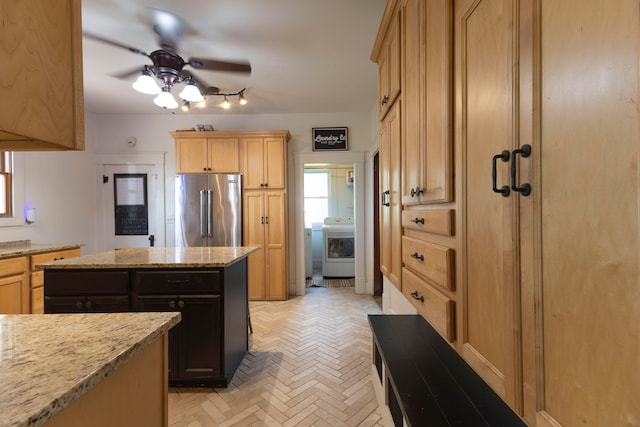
<point>77,282</point>
<point>184,282</point>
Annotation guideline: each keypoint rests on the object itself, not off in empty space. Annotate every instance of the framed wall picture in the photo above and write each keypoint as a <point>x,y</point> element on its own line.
<point>330,139</point>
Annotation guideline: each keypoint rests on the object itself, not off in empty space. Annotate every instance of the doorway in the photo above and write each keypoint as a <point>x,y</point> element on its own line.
<point>130,204</point>
<point>297,253</point>
<point>329,224</point>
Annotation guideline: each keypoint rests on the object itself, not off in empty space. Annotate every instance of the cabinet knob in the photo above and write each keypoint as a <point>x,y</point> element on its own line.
<point>180,304</point>
<point>266,184</point>
<point>208,169</point>
<point>89,305</point>
<point>385,99</point>
<point>79,305</point>
<point>172,304</point>
<point>204,169</point>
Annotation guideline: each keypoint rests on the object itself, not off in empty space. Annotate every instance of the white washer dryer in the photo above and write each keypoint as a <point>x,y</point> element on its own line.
<point>338,245</point>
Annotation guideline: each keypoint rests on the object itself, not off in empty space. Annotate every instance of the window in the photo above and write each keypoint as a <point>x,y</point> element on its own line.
<point>316,196</point>
<point>6,184</point>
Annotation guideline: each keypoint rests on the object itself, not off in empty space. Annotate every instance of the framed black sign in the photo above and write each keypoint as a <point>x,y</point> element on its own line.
<point>330,139</point>
<point>131,205</point>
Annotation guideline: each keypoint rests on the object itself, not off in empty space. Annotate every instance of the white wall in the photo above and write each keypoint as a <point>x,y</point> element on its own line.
<point>60,186</point>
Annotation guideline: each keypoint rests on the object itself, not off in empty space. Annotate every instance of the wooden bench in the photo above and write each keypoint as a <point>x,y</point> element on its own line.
<point>426,383</point>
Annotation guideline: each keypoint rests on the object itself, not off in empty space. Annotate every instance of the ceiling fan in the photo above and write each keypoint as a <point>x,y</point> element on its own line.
<point>168,67</point>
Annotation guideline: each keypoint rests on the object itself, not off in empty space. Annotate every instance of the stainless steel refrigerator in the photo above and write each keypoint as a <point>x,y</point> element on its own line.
<point>208,210</point>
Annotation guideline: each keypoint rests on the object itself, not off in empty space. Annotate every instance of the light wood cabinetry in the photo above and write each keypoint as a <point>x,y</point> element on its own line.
<point>37,276</point>
<point>264,162</point>
<point>550,280</point>
<point>387,56</point>
<point>427,138</point>
<point>265,224</point>
<point>42,87</point>
<point>14,286</point>
<point>390,206</point>
<point>206,154</point>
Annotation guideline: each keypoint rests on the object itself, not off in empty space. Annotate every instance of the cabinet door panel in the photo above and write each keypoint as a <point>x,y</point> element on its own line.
<point>223,155</point>
<point>191,155</point>
<point>275,246</point>
<point>11,299</point>
<point>275,162</point>
<point>254,236</point>
<point>587,250</point>
<point>253,163</point>
<point>200,341</point>
<point>489,325</point>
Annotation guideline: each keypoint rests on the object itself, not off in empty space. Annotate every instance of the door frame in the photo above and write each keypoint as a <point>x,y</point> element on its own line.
<point>351,157</point>
<point>157,160</point>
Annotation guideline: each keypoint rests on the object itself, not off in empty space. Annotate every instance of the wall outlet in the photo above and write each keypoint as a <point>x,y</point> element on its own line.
<point>171,220</point>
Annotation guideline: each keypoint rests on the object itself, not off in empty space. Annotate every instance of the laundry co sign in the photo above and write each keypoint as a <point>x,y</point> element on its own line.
<point>329,139</point>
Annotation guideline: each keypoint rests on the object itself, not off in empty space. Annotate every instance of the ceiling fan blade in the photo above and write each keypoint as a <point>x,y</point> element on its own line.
<point>114,43</point>
<point>169,27</point>
<point>128,74</point>
<point>214,65</point>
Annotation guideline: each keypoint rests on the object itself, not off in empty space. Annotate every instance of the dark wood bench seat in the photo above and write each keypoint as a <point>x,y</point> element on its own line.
<point>429,384</point>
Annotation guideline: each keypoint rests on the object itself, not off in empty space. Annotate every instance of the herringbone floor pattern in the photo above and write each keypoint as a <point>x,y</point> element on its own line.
<point>309,364</point>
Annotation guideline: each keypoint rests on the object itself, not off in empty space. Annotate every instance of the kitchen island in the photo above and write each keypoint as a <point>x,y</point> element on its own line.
<point>84,369</point>
<point>207,285</point>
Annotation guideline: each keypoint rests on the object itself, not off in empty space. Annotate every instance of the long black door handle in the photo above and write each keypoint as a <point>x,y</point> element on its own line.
<point>504,190</point>
<point>524,151</point>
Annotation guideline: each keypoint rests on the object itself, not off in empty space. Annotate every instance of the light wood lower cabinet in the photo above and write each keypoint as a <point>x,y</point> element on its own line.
<point>135,394</point>
<point>37,276</point>
<point>14,286</point>
<point>265,226</point>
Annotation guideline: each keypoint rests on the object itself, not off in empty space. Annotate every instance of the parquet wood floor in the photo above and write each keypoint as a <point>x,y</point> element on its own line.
<point>309,364</point>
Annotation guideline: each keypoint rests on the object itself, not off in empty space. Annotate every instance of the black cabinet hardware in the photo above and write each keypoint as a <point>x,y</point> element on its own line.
<point>504,190</point>
<point>524,151</point>
<point>417,220</point>
<point>416,256</point>
<point>415,296</point>
<point>416,191</point>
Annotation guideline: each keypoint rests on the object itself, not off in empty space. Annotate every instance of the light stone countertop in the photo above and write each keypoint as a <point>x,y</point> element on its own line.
<point>25,247</point>
<point>49,360</point>
<point>191,257</point>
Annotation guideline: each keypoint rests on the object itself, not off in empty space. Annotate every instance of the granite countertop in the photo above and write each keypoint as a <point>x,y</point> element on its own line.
<point>25,247</point>
<point>49,360</point>
<point>192,257</point>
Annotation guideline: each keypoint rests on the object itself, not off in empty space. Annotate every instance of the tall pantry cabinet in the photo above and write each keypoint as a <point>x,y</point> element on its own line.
<point>535,278</point>
<point>261,158</point>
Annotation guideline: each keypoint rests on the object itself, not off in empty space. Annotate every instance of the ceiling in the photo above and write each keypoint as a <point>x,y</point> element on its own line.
<point>307,56</point>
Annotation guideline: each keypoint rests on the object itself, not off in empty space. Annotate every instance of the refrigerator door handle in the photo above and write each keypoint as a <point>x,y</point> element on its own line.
<point>203,213</point>
<point>210,213</point>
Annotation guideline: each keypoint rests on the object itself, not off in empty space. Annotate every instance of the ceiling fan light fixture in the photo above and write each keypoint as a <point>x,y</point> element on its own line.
<point>191,93</point>
<point>146,84</point>
<point>225,104</point>
<point>186,106</point>
<point>165,99</point>
<point>202,103</point>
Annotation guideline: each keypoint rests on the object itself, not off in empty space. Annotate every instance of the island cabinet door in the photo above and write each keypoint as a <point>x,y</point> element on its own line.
<point>195,344</point>
<point>200,345</point>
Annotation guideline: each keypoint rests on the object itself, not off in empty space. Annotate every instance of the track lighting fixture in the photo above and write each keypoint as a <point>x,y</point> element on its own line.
<point>226,104</point>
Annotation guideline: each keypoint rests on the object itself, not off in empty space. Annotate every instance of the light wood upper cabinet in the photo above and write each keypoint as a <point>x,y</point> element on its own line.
<point>386,53</point>
<point>427,139</point>
<point>207,155</point>
<point>41,81</point>
<point>265,162</point>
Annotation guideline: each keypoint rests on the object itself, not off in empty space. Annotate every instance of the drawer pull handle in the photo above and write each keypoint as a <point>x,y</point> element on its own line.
<point>415,296</point>
<point>418,220</point>
<point>524,151</point>
<point>178,281</point>
<point>416,191</point>
<point>416,256</point>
